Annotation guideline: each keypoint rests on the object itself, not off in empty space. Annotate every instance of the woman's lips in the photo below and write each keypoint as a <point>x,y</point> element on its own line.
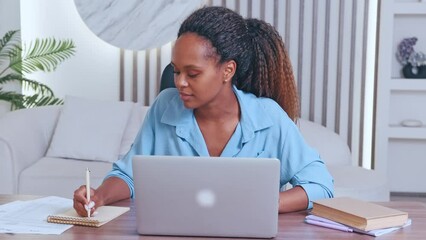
<point>185,96</point>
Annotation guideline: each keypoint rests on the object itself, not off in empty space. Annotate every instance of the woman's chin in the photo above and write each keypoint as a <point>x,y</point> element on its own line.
<point>189,104</point>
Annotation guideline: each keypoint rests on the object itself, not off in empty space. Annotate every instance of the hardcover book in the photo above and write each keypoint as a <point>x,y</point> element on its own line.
<point>359,214</point>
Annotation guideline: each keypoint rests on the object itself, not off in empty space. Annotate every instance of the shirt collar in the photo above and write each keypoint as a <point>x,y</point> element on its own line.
<point>254,116</point>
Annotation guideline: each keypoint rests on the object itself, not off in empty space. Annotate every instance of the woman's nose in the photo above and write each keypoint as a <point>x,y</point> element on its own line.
<point>180,81</point>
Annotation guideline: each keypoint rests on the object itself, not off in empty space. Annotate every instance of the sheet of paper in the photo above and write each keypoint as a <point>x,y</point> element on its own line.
<point>31,216</point>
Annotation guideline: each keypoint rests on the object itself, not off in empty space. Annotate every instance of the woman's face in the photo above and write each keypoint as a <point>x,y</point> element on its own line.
<point>199,77</point>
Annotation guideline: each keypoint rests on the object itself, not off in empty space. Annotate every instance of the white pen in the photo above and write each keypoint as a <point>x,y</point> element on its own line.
<point>88,191</point>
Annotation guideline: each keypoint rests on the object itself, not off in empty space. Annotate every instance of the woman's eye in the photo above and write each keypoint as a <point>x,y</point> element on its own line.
<point>175,72</point>
<point>193,74</point>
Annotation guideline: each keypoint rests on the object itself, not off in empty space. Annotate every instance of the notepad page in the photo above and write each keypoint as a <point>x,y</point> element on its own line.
<point>104,215</point>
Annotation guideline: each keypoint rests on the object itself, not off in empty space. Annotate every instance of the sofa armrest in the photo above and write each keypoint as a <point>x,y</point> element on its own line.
<point>24,138</point>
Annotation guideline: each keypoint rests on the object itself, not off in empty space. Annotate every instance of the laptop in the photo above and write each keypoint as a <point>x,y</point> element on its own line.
<point>206,196</point>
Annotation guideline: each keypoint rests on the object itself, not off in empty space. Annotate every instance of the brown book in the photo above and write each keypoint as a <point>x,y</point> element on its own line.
<point>104,215</point>
<point>359,214</point>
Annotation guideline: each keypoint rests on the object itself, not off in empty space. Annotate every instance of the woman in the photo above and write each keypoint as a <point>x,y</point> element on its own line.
<point>235,96</point>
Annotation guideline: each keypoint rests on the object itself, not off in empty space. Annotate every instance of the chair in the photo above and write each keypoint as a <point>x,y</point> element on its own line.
<point>167,78</point>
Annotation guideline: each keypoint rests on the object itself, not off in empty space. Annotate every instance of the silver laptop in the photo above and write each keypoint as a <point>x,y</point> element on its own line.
<point>206,196</point>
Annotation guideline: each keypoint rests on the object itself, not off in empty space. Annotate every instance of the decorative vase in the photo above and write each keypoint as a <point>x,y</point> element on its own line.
<point>414,72</point>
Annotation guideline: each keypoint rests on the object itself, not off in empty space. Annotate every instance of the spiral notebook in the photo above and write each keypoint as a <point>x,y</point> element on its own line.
<point>104,215</point>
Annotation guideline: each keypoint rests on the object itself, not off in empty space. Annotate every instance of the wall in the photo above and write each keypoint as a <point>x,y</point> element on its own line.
<point>327,42</point>
<point>10,20</point>
<point>93,71</point>
<point>331,44</point>
<point>9,16</point>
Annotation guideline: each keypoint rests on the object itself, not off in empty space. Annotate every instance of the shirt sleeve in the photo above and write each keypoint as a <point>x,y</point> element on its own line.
<point>304,167</point>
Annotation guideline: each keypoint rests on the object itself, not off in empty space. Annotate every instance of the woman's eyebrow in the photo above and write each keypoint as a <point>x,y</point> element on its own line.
<point>188,66</point>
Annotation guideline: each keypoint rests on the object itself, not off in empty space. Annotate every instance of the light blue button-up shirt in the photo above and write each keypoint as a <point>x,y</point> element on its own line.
<point>264,130</point>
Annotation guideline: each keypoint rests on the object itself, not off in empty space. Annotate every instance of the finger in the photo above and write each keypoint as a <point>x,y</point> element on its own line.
<point>79,208</point>
<point>80,191</point>
<point>80,194</point>
<point>80,200</point>
<point>89,206</point>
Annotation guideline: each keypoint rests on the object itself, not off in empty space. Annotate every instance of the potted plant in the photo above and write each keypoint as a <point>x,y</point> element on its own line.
<point>414,63</point>
<point>16,61</point>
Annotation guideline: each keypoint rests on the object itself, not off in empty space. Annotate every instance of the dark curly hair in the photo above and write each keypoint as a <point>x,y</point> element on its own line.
<point>263,64</point>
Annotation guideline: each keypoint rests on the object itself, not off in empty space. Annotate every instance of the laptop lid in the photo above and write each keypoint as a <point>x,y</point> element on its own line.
<point>206,196</point>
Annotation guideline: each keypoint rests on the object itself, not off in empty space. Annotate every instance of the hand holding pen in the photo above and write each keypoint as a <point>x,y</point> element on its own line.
<point>85,198</point>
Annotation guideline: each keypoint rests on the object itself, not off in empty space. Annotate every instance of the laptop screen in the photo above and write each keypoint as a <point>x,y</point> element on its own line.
<point>206,196</point>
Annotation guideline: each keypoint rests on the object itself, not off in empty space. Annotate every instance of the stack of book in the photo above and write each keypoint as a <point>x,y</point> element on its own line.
<point>352,215</point>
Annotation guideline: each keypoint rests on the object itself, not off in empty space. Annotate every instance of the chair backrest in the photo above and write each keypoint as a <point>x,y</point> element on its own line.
<point>167,78</point>
<point>331,146</point>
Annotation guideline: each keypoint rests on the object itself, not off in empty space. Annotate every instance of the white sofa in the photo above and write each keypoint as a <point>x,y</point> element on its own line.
<point>33,162</point>
<point>349,180</point>
<point>26,136</point>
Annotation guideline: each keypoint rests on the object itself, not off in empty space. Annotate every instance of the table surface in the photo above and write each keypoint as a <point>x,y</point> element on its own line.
<point>290,226</point>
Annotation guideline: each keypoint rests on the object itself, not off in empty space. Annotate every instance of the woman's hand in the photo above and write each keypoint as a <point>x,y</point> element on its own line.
<point>82,205</point>
<point>113,189</point>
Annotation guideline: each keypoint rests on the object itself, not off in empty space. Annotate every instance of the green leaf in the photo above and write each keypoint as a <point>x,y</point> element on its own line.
<point>40,55</point>
<point>20,101</point>
<point>8,43</point>
<point>28,84</point>
<point>43,55</point>
<point>38,100</point>
<point>16,99</point>
<point>15,59</point>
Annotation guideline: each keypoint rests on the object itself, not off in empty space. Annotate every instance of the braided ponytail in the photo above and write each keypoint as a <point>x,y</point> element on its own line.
<point>272,71</point>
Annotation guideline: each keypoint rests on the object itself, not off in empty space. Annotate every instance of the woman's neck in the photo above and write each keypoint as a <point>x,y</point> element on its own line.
<point>227,107</point>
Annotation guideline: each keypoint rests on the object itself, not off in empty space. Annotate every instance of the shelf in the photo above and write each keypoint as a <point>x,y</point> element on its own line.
<point>410,8</point>
<point>417,133</point>
<point>405,84</point>
<point>399,98</point>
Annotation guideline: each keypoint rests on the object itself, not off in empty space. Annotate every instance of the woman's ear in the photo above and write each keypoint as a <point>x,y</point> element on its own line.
<point>229,70</point>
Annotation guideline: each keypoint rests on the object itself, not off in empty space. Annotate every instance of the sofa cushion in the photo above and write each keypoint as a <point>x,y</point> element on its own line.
<point>90,129</point>
<point>134,124</point>
<point>60,177</point>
